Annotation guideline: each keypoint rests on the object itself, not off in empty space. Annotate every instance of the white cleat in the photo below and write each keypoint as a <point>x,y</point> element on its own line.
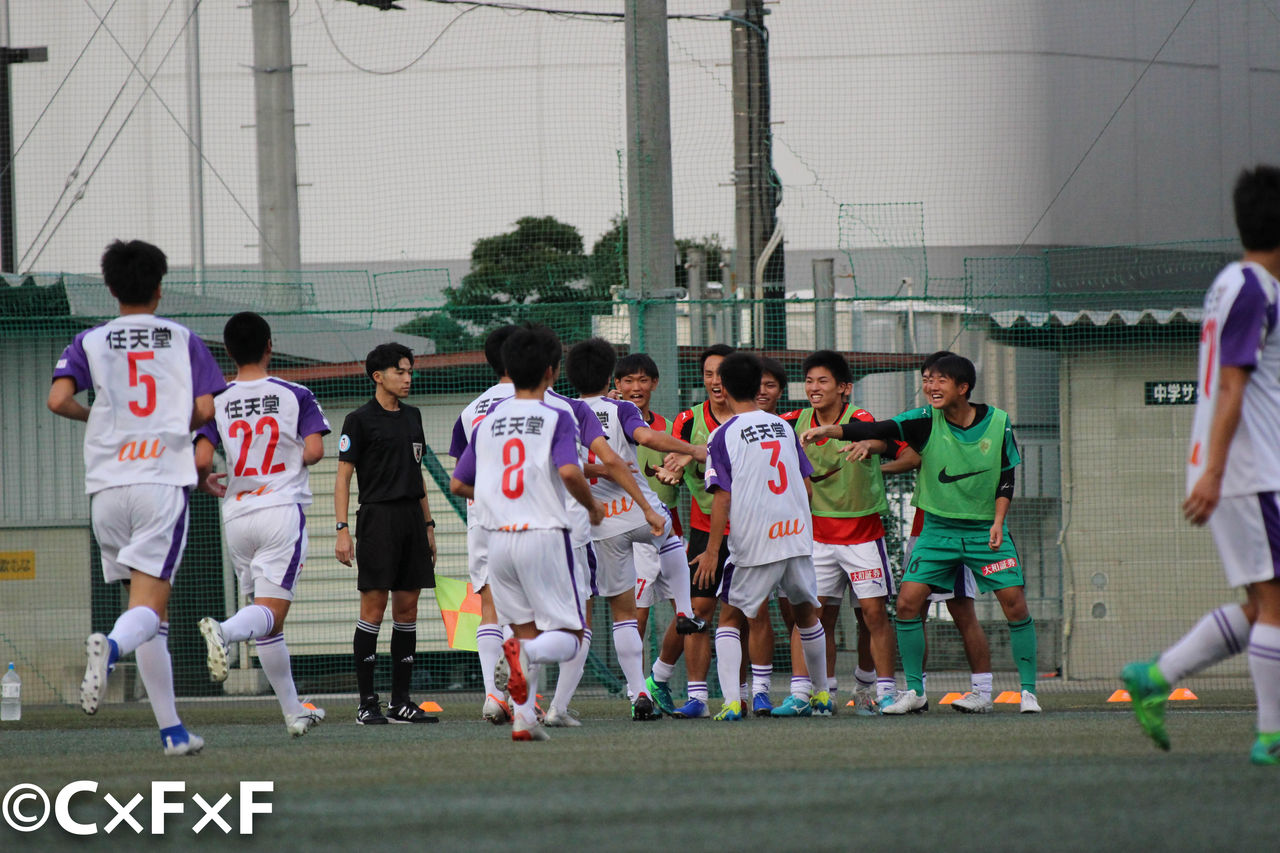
<point>907,702</point>
<point>97,651</point>
<point>1030,704</point>
<point>496,711</point>
<point>190,745</point>
<point>211,630</point>
<point>566,719</point>
<point>973,703</point>
<point>299,724</point>
<point>522,729</point>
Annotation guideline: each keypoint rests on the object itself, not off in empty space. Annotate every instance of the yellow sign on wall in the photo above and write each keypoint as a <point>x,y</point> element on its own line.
<point>17,565</point>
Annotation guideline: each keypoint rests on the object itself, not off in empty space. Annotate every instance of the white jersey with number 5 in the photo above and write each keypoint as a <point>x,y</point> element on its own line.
<point>263,425</point>
<point>1239,330</point>
<point>513,462</point>
<point>757,458</point>
<point>146,372</point>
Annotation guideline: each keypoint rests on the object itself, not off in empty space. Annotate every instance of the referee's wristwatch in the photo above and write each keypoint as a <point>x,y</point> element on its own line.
<point>431,522</point>
<point>342,525</point>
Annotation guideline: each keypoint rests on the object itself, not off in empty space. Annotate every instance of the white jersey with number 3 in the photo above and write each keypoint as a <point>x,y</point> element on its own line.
<point>1239,330</point>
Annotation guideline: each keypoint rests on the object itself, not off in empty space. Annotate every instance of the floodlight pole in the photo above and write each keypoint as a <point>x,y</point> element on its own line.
<point>651,245</point>
<point>8,208</point>
<point>195,150</point>
<point>279,243</point>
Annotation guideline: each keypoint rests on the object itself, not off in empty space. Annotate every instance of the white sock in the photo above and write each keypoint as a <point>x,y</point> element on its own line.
<point>698,689</point>
<point>629,649</point>
<point>507,633</point>
<point>1264,666</point>
<point>133,628</point>
<point>886,687</point>
<point>527,709</point>
<point>674,568</point>
<point>832,685</point>
<point>273,654</point>
<point>662,671</point>
<point>155,667</point>
<point>801,687</point>
<point>1217,636</point>
<point>980,683</point>
<point>571,674</point>
<point>729,661</point>
<point>489,648</point>
<point>813,642</point>
<point>761,678</point>
<point>249,623</point>
<point>864,679</point>
<point>551,647</point>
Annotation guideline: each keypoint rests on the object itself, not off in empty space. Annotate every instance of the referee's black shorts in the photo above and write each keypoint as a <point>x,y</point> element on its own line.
<point>698,544</point>
<point>391,547</point>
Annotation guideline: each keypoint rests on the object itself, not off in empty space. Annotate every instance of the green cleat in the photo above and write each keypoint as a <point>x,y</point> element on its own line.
<point>822,704</point>
<point>730,712</point>
<point>793,706</point>
<point>1266,749</point>
<point>661,695</point>
<point>1149,692</point>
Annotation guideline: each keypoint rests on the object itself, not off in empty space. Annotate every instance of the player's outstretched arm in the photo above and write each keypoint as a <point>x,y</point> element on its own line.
<point>668,443</point>
<point>621,474</point>
<point>576,484</point>
<point>908,460</point>
<point>312,449</point>
<point>704,565</point>
<point>207,481</point>
<point>861,450</point>
<point>62,400</point>
<point>1203,498</point>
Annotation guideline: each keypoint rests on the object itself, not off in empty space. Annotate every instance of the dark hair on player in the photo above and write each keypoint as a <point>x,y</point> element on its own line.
<point>957,368</point>
<point>1257,204</point>
<point>384,356</point>
<point>493,348</point>
<point>590,364</point>
<point>636,362</point>
<point>529,351</point>
<point>740,374</point>
<point>133,271</point>
<point>833,362</point>
<point>246,336</point>
<point>714,349</point>
<point>774,368</point>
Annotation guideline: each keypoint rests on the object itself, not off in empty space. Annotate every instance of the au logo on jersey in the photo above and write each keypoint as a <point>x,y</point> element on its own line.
<point>417,451</point>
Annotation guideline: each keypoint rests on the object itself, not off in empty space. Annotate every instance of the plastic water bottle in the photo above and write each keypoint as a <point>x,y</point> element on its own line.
<point>11,695</point>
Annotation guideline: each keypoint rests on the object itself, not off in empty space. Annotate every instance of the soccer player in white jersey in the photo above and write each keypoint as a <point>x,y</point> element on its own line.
<point>489,635</point>
<point>1233,473</point>
<point>273,431</point>
<point>521,463</point>
<point>755,455</point>
<point>590,368</point>
<point>154,382</point>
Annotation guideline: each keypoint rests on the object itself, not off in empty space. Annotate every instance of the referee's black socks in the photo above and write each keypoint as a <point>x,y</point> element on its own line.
<point>365,648</point>
<point>404,642</point>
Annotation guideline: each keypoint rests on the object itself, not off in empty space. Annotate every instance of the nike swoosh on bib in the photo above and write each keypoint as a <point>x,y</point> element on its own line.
<point>650,471</point>
<point>944,477</point>
<point>818,478</point>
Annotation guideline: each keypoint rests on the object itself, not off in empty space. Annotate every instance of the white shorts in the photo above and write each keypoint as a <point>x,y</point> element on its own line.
<point>747,587</point>
<point>650,585</point>
<point>1246,530</point>
<point>268,547</point>
<point>963,587</point>
<point>532,579</point>
<point>862,569</point>
<point>584,571</point>
<point>615,557</point>
<point>478,556</point>
<point>141,527</point>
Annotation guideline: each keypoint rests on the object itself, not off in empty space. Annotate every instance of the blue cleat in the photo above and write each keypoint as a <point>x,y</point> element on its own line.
<point>793,706</point>
<point>760,705</point>
<point>692,710</point>
<point>661,695</point>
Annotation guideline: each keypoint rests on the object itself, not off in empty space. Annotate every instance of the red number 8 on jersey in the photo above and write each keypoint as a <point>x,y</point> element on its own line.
<point>513,473</point>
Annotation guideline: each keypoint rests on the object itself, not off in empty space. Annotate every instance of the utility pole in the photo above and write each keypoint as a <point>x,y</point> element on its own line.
<point>8,208</point>
<point>279,241</point>
<point>758,261</point>
<point>195,150</point>
<point>651,244</point>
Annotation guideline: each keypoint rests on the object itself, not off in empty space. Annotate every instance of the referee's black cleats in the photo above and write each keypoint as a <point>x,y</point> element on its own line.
<point>689,624</point>
<point>407,712</point>
<point>370,714</point>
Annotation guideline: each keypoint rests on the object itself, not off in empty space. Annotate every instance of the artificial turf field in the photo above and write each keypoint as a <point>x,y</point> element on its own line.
<point>1081,776</point>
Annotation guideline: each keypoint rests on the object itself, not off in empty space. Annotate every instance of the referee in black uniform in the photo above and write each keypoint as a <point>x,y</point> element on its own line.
<point>382,444</point>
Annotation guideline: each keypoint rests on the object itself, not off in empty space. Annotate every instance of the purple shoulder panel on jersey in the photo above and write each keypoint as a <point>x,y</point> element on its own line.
<point>465,470</point>
<point>458,441</point>
<point>210,431</point>
<point>74,363</point>
<point>206,376</point>
<point>1249,320</point>
<point>564,445</point>
<point>719,470</point>
<point>806,467</point>
<point>311,419</point>
<point>629,417</point>
<point>589,428</point>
